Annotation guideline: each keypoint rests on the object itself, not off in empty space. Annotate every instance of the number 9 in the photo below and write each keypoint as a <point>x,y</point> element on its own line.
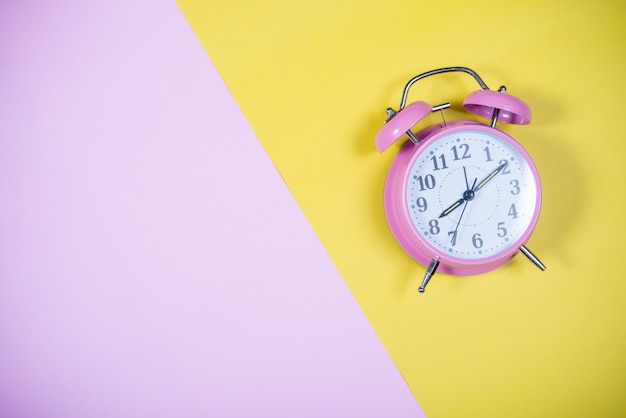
<point>421,204</point>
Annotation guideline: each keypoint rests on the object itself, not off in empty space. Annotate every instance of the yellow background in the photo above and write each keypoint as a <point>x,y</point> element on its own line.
<point>314,79</point>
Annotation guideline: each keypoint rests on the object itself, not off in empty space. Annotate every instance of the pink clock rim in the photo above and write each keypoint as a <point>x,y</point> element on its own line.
<point>424,252</point>
<point>512,110</point>
<point>404,120</point>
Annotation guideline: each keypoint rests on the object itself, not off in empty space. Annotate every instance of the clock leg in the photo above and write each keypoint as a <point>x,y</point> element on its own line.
<point>432,268</point>
<point>532,257</point>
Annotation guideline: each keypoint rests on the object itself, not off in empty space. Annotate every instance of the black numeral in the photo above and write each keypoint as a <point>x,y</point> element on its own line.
<point>428,182</point>
<point>465,152</point>
<point>421,204</point>
<point>505,170</point>
<point>453,235</point>
<point>434,226</point>
<point>488,154</point>
<point>502,230</point>
<point>442,159</point>
<point>477,241</point>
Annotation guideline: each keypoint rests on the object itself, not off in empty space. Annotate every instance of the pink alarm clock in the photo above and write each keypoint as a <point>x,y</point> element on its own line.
<point>461,197</point>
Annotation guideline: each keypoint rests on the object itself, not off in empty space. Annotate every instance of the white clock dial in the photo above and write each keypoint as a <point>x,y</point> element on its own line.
<point>471,194</point>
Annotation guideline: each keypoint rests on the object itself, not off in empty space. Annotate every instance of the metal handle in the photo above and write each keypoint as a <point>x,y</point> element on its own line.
<point>440,71</point>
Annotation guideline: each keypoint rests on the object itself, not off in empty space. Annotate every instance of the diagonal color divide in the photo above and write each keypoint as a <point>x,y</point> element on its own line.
<point>152,262</point>
<point>314,78</point>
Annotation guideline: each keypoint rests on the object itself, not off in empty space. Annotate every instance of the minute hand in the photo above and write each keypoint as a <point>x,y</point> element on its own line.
<point>490,177</point>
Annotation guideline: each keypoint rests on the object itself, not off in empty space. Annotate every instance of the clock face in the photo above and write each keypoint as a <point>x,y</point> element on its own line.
<point>471,194</point>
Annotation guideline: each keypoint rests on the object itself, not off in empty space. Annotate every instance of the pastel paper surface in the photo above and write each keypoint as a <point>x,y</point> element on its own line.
<point>515,342</point>
<point>152,262</point>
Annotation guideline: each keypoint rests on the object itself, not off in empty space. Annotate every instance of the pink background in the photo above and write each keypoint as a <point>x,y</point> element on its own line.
<point>152,262</point>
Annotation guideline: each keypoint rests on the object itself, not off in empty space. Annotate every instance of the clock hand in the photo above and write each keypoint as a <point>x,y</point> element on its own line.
<point>467,195</point>
<point>465,175</point>
<point>465,206</point>
<point>490,177</point>
<point>453,206</point>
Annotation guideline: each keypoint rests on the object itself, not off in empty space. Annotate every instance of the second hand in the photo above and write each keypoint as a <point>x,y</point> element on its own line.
<point>464,206</point>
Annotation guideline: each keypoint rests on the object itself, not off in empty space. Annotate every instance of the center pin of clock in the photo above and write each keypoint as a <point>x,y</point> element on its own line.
<point>468,195</point>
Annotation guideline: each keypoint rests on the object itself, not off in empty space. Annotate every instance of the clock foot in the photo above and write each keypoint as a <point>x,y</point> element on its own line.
<point>432,268</point>
<point>532,257</point>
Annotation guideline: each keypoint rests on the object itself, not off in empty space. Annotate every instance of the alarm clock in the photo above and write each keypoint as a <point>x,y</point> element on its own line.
<point>461,197</point>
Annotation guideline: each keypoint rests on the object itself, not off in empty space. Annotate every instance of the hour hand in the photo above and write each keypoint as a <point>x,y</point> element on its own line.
<point>451,208</point>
